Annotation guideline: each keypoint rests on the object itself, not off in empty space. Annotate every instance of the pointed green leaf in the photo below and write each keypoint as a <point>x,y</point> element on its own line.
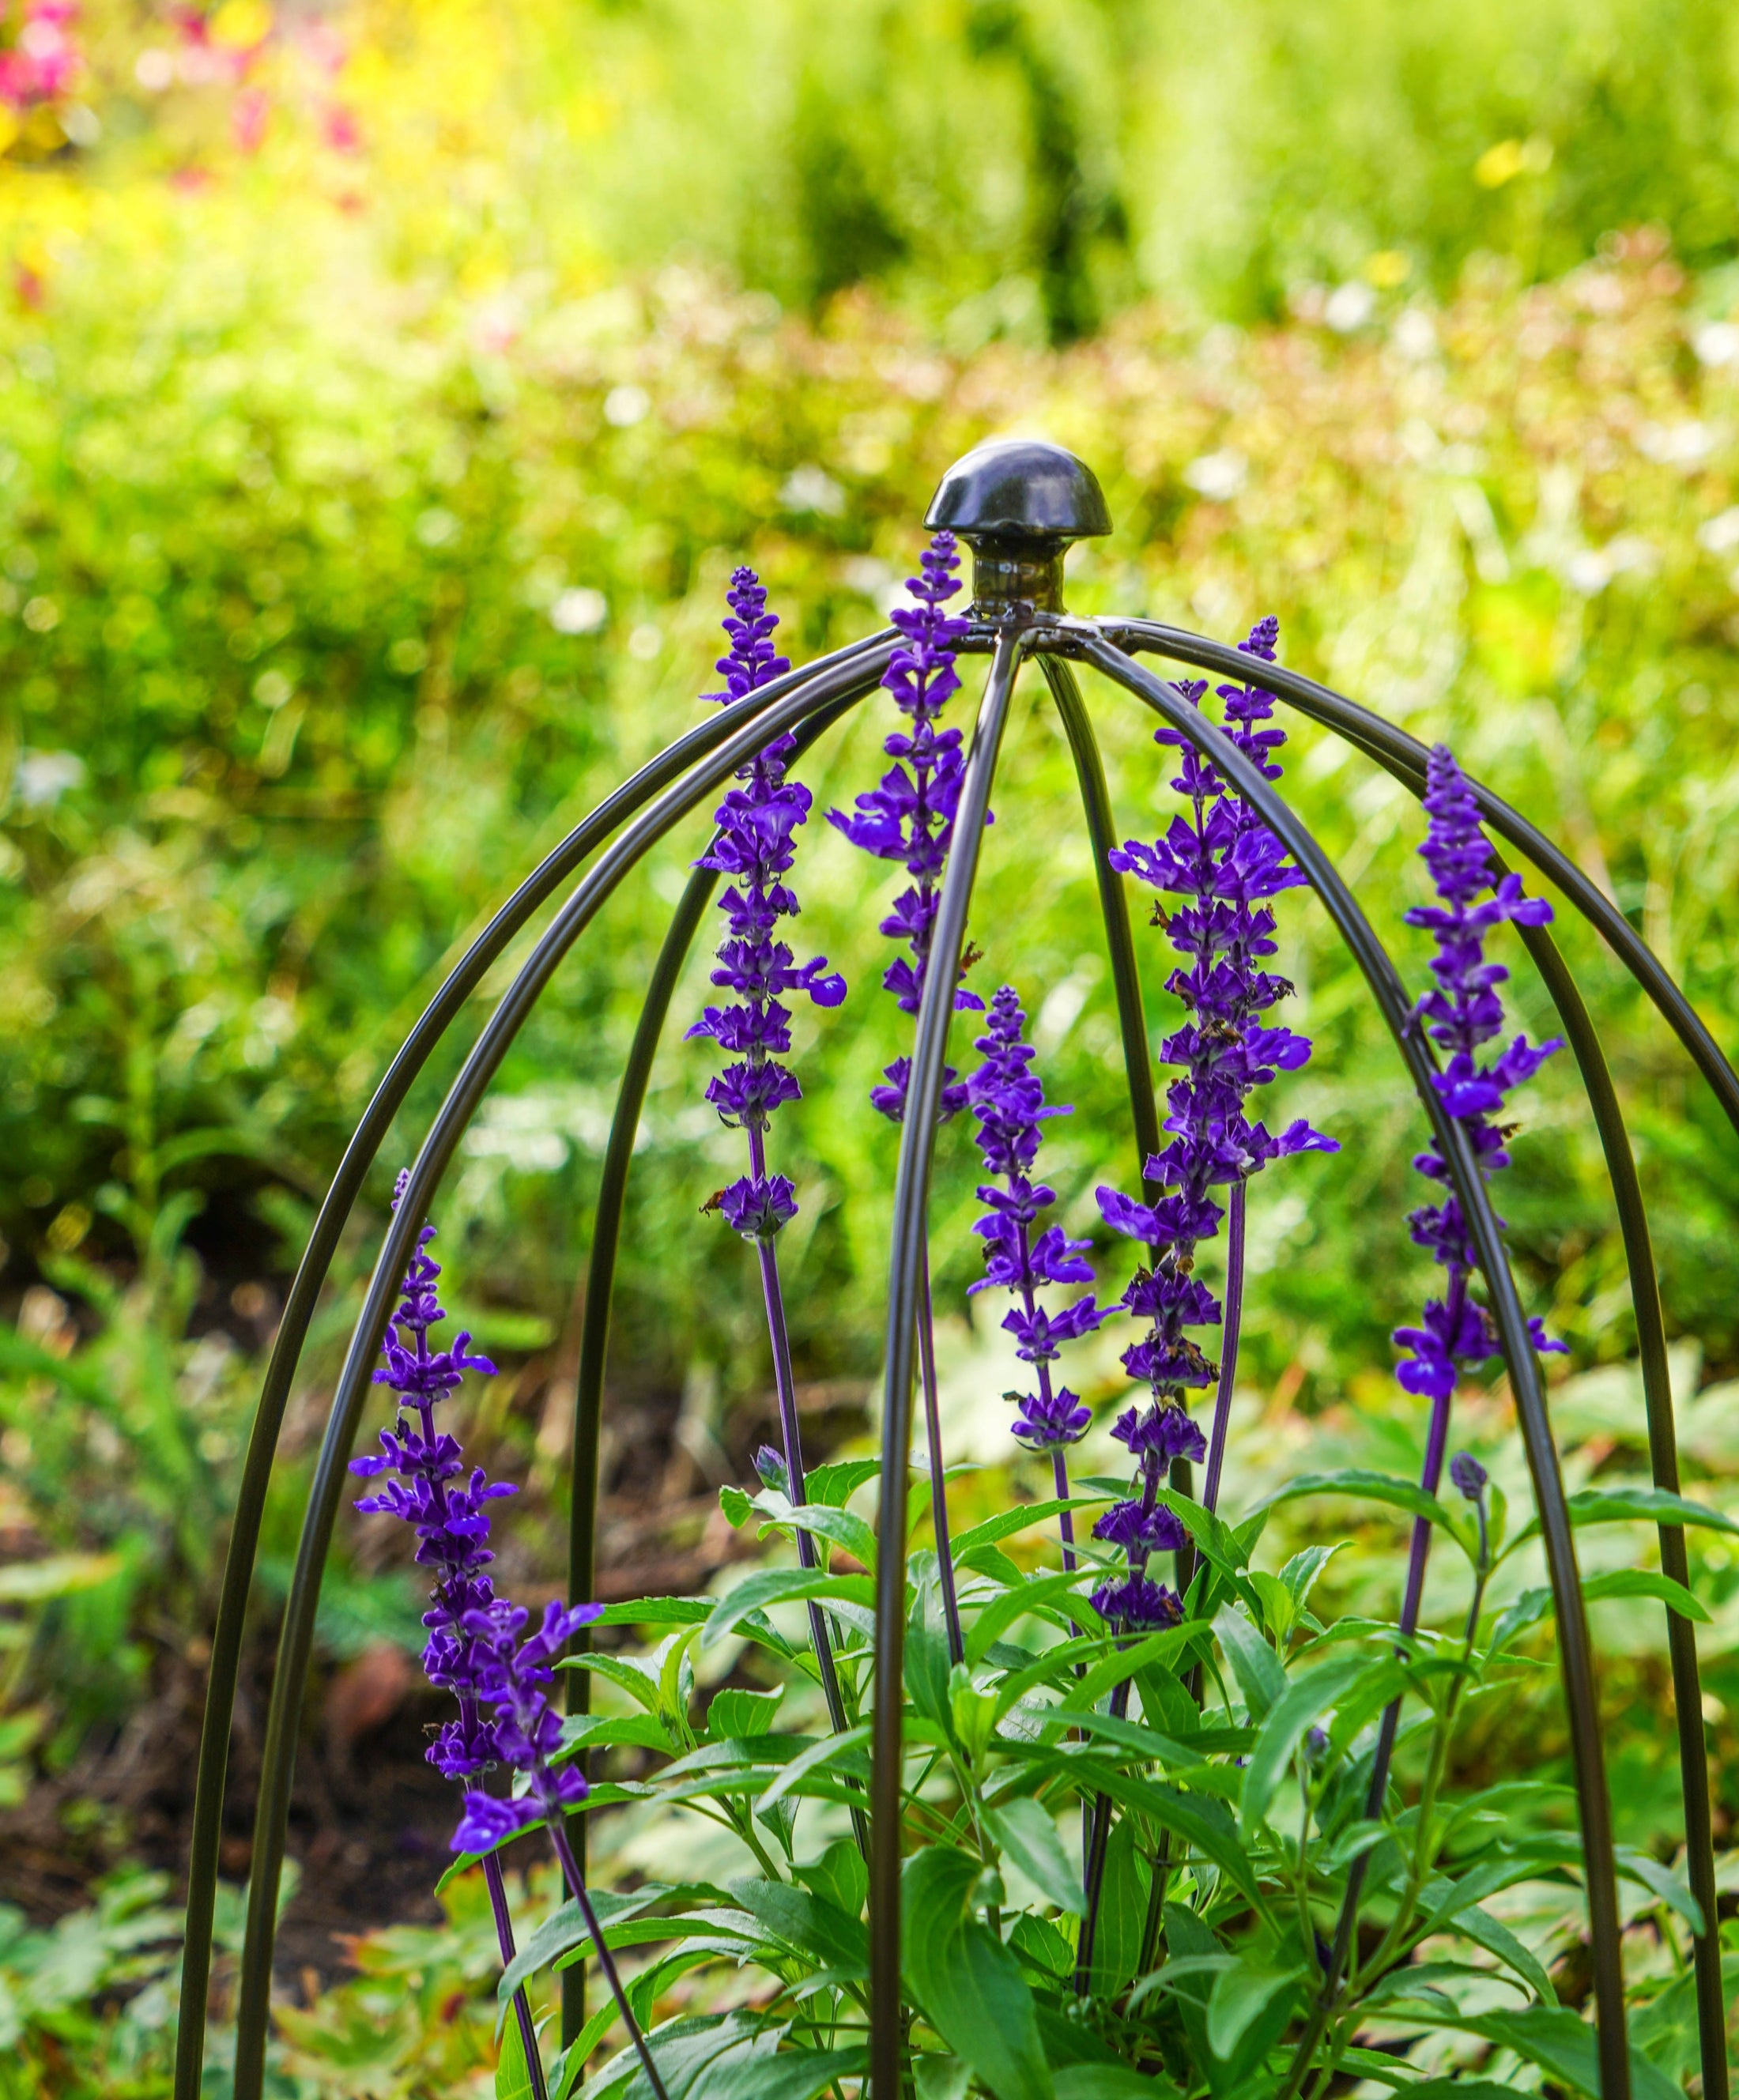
<point>1027,1832</point>
<point>1297,1708</point>
<point>513,2072</point>
<point>780,1585</point>
<point>1363,1485</point>
<point>1257,1668</point>
<point>1239,1996</point>
<point>968,1984</point>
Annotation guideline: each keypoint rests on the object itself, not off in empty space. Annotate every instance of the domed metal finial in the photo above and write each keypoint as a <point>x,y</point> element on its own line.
<point>1017,503</point>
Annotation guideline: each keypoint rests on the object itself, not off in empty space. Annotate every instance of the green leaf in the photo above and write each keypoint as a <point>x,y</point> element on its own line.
<point>1123,1911</point>
<point>565,1928</point>
<point>1637,1505</point>
<point>1014,1603</point>
<point>840,1875</point>
<point>835,1484</point>
<point>739,1507</point>
<point>637,1731</point>
<point>1204,1824</point>
<point>821,1757</point>
<point>734,1714</point>
<point>1108,2082</point>
<point>1240,1995</point>
<point>513,2072</point>
<point>792,2075</point>
<point>657,1612</point>
<point>1560,2043</point>
<point>1014,1520</point>
<point>779,1586</point>
<point>1299,1708</point>
<point>807,1922</point>
<point>1154,1648</point>
<point>1485,1930</point>
<point>941,2077</point>
<point>968,1984</point>
<point>1363,1485</point>
<point>840,1527</point>
<point>1132,1735</point>
<point>1257,1668</point>
<point>1027,1832</point>
<point>1219,1544</point>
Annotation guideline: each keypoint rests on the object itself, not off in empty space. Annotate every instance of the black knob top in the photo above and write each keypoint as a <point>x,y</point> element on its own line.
<point>1020,488</point>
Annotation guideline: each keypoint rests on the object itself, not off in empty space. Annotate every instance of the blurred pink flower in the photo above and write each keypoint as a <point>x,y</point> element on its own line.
<point>339,125</point>
<point>249,114</point>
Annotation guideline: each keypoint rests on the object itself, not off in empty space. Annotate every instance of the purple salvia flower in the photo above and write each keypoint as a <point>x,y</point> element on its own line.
<point>1462,1014</point>
<point>1008,1100</point>
<point>910,816</point>
<point>757,823</point>
<point>511,1678</point>
<point>1136,1603</point>
<point>1226,866</point>
<point>431,1490</point>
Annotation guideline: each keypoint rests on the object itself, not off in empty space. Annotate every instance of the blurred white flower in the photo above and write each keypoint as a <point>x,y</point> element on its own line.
<point>811,488</point>
<point>1349,305</point>
<point>626,405</point>
<point>1218,476</point>
<point>1720,534</point>
<point>580,611</point>
<point>43,777</point>
<point>1717,343</point>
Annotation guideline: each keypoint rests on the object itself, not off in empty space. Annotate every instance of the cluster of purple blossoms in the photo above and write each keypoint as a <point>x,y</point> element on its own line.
<point>511,1678</point>
<point>754,849</point>
<point>1463,1013</point>
<point>1140,1527</point>
<point>1008,1099</point>
<point>1226,864</point>
<point>470,1650</point>
<point>909,817</point>
<point>432,1491</point>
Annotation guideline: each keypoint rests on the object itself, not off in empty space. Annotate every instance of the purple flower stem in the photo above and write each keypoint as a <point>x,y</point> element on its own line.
<point>606,1959</point>
<point>503,1933</point>
<point>938,1483</point>
<point>1233,1318</point>
<point>785,1384</point>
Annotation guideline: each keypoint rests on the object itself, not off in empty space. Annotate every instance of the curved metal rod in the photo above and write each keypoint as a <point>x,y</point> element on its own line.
<point>1575,1646</point>
<point>911,1200</point>
<point>806,694</point>
<point>224,1668</point>
<point>1335,711</point>
<point>1663,1455</point>
<point>600,1285</point>
<point>1663,1459</point>
<point>1114,906</point>
<point>594,1333</point>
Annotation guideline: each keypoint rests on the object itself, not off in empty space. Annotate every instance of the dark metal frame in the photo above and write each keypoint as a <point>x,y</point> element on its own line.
<point>643,812</point>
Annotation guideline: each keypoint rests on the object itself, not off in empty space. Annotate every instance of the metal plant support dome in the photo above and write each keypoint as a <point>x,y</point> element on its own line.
<point>1019,506</point>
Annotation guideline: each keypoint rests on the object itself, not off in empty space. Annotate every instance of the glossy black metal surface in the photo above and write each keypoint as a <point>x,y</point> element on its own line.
<point>1019,503</point>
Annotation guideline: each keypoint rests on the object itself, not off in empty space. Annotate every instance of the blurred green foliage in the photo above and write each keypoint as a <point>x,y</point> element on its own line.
<point>365,511</point>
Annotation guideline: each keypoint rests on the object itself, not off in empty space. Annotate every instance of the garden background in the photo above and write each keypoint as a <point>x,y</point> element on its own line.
<point>384,397</point>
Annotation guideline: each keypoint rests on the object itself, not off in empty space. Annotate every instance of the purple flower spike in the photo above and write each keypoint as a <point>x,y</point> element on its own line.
<point>910,816</point>
<point>756,825</point>
<point>1462,1014</point>
<point>431,1489</point>
<point>1008,1100</point>
<point>1225,866</point>
<point>527,1728</point>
